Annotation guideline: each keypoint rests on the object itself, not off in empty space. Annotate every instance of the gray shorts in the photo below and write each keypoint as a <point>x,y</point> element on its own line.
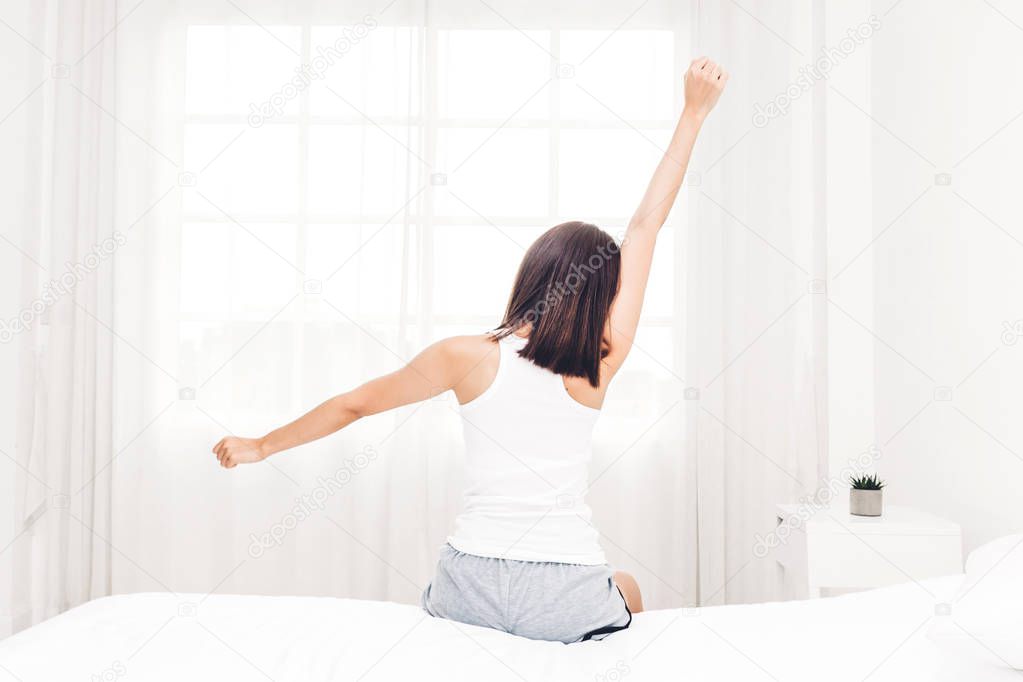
<point>539,600</point>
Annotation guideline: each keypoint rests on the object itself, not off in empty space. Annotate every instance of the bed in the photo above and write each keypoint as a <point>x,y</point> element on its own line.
<point>876,635</point>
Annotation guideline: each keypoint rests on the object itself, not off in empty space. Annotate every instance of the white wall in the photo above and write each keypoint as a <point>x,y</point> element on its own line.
<point>851,293</point>
<point>944,81</point>
<point>922,309</point>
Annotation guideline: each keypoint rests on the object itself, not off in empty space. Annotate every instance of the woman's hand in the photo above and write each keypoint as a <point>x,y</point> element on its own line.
<point>232,451</point>
<point>704,82</point>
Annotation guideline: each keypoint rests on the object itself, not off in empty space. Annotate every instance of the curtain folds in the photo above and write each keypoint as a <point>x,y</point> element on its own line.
<point>65,423</point>
<point>752,329</point>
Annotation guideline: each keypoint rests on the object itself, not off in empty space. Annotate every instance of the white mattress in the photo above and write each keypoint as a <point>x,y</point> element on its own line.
<point>880,635</point>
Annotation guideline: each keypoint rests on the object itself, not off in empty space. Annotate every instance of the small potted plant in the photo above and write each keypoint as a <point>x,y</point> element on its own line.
<point>865,496</point>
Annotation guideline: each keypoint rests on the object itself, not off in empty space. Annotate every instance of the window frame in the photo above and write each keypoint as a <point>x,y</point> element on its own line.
<point>421,216</point>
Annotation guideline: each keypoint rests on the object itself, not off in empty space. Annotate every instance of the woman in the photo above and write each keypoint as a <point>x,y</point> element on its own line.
<point>523,557</point>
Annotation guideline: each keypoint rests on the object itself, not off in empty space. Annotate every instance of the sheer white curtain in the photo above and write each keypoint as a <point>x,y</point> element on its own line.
<point>308,194</point>
<point>59,553</point>
<point>755,338</point>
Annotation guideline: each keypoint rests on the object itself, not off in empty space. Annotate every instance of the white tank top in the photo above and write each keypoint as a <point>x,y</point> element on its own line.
<point>527,453</point>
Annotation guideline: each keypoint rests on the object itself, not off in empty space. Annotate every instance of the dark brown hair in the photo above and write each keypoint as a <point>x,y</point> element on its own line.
<point>563,291</point>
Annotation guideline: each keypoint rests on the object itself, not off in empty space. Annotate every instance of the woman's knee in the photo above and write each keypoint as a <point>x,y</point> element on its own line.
<point>630,590</point>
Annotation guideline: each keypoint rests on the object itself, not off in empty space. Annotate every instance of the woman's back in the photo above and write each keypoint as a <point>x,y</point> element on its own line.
<point>527,457</point>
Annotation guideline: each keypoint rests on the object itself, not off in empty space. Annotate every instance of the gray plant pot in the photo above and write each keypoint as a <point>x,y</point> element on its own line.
<point>865,502</point>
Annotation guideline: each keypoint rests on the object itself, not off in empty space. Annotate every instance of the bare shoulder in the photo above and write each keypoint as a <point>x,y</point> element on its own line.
<point>473,346</point>
<point>475,359</point>
<point>466,352</point>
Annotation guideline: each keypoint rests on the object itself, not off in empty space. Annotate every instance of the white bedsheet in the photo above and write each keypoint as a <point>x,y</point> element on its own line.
<point>878,635</point>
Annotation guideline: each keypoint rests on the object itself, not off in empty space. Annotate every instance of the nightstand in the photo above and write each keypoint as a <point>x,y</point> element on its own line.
<point>828,548</point>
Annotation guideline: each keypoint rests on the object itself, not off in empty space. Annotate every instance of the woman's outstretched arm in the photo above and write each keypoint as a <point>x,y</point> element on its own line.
<point>429,374</point>
<point>704,82</point>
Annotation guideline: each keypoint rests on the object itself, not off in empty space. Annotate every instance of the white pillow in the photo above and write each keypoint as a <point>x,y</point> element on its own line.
<point>985,619</point>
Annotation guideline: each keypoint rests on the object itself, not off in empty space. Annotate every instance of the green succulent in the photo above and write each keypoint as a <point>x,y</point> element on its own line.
<point>871,482</point>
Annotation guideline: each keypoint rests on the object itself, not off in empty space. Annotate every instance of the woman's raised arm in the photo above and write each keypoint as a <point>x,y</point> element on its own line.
<point>704,82</point>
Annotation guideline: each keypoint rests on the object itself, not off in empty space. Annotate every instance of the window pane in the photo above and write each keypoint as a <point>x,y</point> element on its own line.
<point>250,364</point>
<point>232,69</point>
<point>493,172</point>
<point>605,172</point>
<point>360,267</point>
<point>632,74</point>
<point>660,291</point>
<point>234,272</point>
<point>360,169</point>
<point>375,74</point>
<point>652,357</point>
<point>206,258</point>
<point>264,278</point>
<point>372,341</point>
<point>243,169</point>
<point>494,73</point>
<point>206,79</point>
<point>474,267</point>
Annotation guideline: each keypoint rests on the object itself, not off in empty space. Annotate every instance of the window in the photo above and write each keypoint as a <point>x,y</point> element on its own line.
<point>399,188</point>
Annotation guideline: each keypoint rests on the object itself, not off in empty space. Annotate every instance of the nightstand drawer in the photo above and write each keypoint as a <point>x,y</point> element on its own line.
<point>849,561</point>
